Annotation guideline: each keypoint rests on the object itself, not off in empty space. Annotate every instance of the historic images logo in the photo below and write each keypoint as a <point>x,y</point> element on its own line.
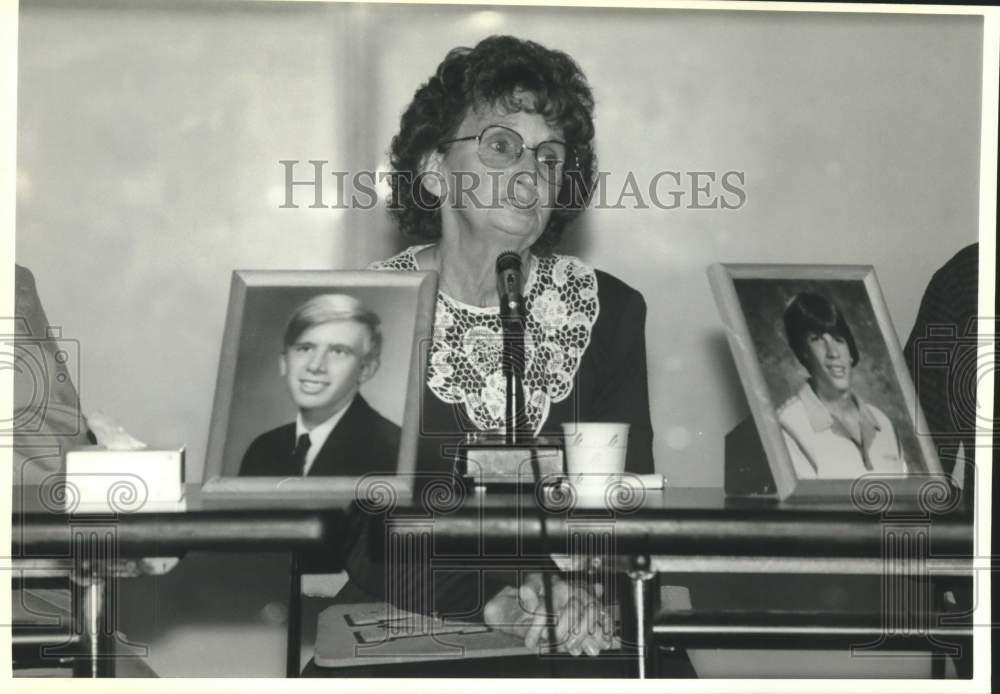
<point>665,190</point>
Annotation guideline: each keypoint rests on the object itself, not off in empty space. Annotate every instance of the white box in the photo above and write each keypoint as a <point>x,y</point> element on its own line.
<point>101,481</point>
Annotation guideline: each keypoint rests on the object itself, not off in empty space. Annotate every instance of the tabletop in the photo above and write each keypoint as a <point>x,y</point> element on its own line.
<point>694,521</point>
<point>675,521</point>
<point>263,521</point>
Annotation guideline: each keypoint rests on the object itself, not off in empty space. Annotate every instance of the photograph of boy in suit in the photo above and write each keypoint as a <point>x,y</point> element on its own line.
<point>331,346</point>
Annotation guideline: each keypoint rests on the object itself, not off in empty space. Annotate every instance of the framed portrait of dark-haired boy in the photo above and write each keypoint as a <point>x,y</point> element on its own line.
<point>832,403</point>
<point>318,381</point>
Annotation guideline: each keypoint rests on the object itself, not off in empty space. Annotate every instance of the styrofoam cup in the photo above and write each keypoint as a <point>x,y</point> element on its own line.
<point>595,454</point>
<point>596,435</point>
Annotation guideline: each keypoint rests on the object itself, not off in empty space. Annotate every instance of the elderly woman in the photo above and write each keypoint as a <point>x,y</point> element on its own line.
<point>829,430</point>
<point>496,153</point>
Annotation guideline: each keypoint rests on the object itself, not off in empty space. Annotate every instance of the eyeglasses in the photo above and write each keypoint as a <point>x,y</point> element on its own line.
<point>499,147</point>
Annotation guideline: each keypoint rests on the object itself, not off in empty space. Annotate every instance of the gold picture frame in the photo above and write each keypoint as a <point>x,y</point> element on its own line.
<point>751,299</point>
<point>250,395</point>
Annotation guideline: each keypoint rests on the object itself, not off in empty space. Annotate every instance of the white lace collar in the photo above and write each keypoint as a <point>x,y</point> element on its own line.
<point>560,298</point>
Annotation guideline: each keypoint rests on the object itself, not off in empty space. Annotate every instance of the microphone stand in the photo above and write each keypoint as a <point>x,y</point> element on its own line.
<point>512,363</point>
<point>516,431</point>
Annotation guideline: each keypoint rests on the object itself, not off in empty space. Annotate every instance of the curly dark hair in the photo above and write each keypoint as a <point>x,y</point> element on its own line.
<point>491,74</point>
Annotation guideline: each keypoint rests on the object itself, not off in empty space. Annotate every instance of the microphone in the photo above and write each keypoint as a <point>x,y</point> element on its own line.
<point>500,459</point>
<point>510,283</point>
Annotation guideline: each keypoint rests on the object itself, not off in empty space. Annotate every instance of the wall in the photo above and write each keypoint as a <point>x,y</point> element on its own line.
<point>148,147</point>
<point>148,144</point>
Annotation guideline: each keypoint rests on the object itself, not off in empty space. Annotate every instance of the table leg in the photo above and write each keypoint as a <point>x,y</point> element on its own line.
<point>94,645</point>
<point>93,656</point>
<point>100,642</point>
<point>95,553</point>
<point>641,604</point>
<point>294,637</point>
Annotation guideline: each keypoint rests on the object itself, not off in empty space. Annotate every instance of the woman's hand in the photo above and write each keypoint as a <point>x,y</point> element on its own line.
<point>582,624</point>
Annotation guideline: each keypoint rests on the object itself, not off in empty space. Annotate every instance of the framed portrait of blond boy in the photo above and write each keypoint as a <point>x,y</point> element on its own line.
<point>318,380</point>
<point>831,401</point>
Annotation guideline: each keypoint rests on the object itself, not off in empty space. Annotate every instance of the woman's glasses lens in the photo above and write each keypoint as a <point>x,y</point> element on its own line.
<point>551,158</point>
<point>500,147</point>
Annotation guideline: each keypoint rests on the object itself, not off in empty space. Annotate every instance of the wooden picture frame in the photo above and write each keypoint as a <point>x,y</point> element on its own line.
<point>252,396</point>
<point>752,300</point>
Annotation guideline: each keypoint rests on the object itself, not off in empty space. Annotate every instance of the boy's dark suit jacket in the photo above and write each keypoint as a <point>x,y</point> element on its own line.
<point>363,441</point>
